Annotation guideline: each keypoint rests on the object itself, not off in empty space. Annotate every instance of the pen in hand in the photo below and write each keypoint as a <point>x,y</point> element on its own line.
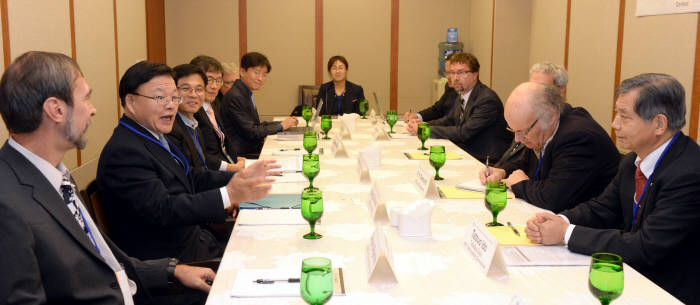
<point>487,168</point>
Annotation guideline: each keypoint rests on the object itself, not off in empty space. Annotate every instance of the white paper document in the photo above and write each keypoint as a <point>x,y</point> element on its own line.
<point>290,178</point>
<point>291,164</point>
<point>472,185</point>
<point>251,217</point>
<point>402,136</point>
<point>246,287</point>
<point>543,256</point>
<point>289,137</point>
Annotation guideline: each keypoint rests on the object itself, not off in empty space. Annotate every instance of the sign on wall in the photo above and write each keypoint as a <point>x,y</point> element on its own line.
<point>662,7</point>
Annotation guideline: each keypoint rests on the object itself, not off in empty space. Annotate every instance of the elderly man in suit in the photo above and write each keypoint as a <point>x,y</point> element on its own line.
<point>569,157</point>
<point>154,200</point>
<point>52,250</point>
<point>650,213</point>
<point>239,111</point>
<point>476,123</point>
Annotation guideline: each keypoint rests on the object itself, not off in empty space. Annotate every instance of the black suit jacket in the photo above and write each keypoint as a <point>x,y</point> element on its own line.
<point>577,165</point>
<point>442,107</point>
<point>153,208</point>
<point>180,135</point>
<point>350,101</point>
<point>47,257</point>
<point>482,130</point>
<point>664,246</point>
<point>242,122</point>
<point>214,149</point>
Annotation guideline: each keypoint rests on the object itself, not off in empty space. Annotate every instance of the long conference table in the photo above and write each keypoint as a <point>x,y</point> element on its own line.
<point>432,270</point>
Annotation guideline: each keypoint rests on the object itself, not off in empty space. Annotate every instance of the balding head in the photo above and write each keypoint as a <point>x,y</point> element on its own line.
<point>532,111</point>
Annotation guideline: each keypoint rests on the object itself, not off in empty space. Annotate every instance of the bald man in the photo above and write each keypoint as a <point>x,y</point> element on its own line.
<point>569,158</point>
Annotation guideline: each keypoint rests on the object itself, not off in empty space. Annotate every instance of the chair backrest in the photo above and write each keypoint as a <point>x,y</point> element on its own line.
<point>94,206</point>
<point>307,95</point>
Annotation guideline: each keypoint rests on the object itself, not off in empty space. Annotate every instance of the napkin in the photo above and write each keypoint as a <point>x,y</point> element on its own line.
<point>414,220</point>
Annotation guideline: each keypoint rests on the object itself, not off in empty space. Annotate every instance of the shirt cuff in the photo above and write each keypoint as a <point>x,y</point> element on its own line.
<point>281,128</point>
<point>223,166</point>
<point>224,197</point>
<point>569,229</point>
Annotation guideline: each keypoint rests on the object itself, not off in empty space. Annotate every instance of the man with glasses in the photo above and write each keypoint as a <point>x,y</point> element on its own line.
<point>217,145</point>
<point>441,107</point>
<point>476,124</point>
<point>154,200</point>
<point>239,110</point>
<point>569,157</point>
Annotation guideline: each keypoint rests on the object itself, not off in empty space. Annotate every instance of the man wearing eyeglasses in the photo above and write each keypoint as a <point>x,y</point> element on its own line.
<point>476,124</point>
<point>441,107</point>
<point>239,110</point>
<point>569,157</point>
<point>154,200</point>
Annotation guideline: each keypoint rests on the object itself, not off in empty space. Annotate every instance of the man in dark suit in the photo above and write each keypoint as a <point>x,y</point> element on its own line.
<point>569,157</point>
<point>650,213</point>
<point>218,146</point>
<point>239,111</point>
<point>52,250</point>
<point>442,106</point>
<point>154,200</point>
<point>476,124</point>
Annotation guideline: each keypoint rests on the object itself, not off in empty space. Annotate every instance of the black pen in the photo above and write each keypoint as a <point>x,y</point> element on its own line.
<point>270,281</point>
<point>515,147</point>
<point>289,149</point>
<point>512,227</point>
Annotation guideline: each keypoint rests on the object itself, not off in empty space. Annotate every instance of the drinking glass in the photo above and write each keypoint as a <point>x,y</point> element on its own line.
<point>326,125</point>
<point>391,118</point>
<point>423,133</point>
<point>306,113</point>
<point>312,210</point>
<point>310,141</point>
<point>606,278</point>
<point>316,282</point>
<point>364,106</point>
<point>310,168</point>
<point>437,159</point>
<point>495,200</point>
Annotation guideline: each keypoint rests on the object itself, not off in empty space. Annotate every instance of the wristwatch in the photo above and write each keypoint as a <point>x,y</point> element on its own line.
<point>171,269</point>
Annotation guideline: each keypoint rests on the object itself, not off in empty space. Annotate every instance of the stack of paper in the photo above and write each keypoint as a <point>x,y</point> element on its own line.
<point>453,192</point>
<point>275,201</point>
<point>250,217</point>
<point>543,256</point>
<point>507,237</point>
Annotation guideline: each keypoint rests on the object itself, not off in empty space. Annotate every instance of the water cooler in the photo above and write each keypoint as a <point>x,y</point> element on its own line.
<point>448,47</point>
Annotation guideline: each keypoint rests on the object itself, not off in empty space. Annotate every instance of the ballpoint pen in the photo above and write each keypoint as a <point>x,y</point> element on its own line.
<point>514,229</point>
<point>487,167</point>
<point>272,281</point>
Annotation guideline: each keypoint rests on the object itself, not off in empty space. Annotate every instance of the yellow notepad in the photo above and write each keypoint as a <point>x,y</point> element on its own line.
<point>425,156</point>
<point>506,236</point>
<point>451,192</point>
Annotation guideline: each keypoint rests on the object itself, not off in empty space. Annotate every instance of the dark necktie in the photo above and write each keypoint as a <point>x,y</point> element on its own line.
<point>69,199</point>
<point>639,181</point>
<point>461,113</point>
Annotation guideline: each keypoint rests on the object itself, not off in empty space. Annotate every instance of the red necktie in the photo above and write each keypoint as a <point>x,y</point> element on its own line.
<point>639,181</point>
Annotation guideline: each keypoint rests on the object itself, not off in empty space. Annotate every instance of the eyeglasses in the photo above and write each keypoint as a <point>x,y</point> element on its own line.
<point>198,91</point>
<point>163,100</point>
<point>523,132</point>
<point>338,68</point>
<point>217,81</point>
<point>458,73</point>
<point>228,83</point>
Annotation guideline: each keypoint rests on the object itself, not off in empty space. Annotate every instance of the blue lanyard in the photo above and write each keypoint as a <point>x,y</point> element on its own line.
<point>194,135</point>
<point>181,159</point>
<point>88,231</point>
<point>539,163</point>
<point>636,205</point>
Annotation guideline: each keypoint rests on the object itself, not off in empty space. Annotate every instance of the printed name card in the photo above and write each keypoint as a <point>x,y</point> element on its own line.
<point>363,170</point>
<point>380,261</point>
<point>483,247</point>
<point>338,149</point>
<point>425,183</point>
<point>375,205</point>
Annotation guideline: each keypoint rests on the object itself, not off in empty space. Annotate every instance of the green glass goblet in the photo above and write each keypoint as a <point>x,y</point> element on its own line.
<point>364,106</point>
<point>316,282</point>
<point>310,141</point>
<point>310,167</point>
<point>391,118</point>
<point>423,133</point>
<point>312,210</point>
<point>495,200</point>
<point>306,113</point>
<point>606,278</point>
<point>326,125</point>
<point>437,159</point>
